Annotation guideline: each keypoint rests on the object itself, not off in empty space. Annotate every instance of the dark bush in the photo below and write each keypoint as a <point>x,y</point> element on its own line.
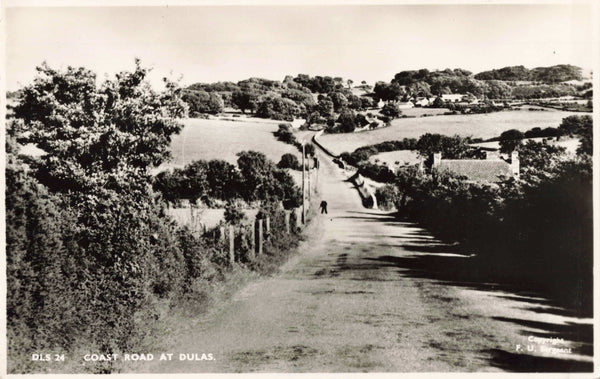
<point>289,161</point>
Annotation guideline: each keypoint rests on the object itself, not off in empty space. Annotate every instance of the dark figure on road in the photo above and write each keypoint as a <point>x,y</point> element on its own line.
<point>323,206</point>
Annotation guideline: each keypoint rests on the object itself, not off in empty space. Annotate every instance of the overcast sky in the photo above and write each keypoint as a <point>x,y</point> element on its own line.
<point>371,43</point>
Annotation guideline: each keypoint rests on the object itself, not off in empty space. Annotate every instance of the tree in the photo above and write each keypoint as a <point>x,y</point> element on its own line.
<point>339,101</point>
<point>203,102</point>
<point>97,136</point>
<point>575,125</point>
<point>309,149</point>
<point>496,89</point>
<point>196,181</point>
<point>277,108</point>
<point>388,92</point>
<point>391,110</point>
<point>289,161</point>
<point>107,227</point>
<point>223,179</point>
<point>510,140</point>
<point>246,99</point>
<point>347,121</point>
<point>285,134</point>
<point>537,157</point>
<point>451,147</point>
<point>170,185</point>
<point>325,107</point>
<point>350,82</point>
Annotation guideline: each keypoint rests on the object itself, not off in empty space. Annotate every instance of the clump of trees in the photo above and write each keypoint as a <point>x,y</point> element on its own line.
<point>202,102</point>
<point>255,178</point>
<point>391,110</point>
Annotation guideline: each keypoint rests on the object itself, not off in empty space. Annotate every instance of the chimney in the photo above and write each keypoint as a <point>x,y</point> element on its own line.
<point>437,159</point>
<point>514,163</point>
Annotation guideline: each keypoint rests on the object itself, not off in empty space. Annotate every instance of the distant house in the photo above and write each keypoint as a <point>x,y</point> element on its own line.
<point>453,98</point>
<point>422,102</point>
<point>492,169</point>
<point>406,105</point>
<point>566,99</point>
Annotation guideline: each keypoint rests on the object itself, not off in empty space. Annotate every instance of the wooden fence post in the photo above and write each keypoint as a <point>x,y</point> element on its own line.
<point>287,222</point>
<point>260,237</point>
<point>253,239</point>
<point>231,244</point>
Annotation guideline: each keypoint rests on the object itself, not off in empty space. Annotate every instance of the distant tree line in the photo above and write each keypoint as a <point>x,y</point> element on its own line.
<point>552,74</point>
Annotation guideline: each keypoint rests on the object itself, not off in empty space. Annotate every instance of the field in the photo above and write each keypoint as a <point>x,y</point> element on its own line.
<point>197,218</point>
<point>389,158</point>
<point>570,144</point>
<point>418,112</point>
<point>477,125</point>
<point>221,139</point>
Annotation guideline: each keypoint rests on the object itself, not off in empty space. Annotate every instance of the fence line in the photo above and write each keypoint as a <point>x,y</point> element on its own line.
<point>243,243</point>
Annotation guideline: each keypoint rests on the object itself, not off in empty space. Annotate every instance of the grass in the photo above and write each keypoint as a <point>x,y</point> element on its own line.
<point>478,125</point>
<point>419,112</point>
<point>391,157</point>
<point>197,218</point>
<point>570,144</point>
<point>220,139</point>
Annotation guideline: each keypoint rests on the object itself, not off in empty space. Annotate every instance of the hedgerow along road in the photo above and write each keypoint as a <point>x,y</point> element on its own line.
<point>358,296</point>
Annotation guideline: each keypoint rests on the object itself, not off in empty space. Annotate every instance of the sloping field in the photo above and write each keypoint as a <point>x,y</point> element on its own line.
<point>196,218</point>
<point>478,125</point>
<point>220,139</point>
<point>570,144</point>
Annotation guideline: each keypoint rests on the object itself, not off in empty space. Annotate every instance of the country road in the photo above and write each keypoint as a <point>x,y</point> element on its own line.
<point>359,297</point>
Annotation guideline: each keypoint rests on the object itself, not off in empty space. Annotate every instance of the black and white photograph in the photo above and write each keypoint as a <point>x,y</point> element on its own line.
<point>299,187</point>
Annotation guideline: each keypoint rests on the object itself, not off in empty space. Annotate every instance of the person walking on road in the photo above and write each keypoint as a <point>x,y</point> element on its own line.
<point>323,207</point>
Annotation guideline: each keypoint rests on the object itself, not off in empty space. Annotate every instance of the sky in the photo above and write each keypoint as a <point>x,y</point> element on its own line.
<point>231,43</point>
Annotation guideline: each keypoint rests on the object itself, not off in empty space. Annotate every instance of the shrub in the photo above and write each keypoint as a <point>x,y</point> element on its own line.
<point>387,196</point>
<point>289,161</point>
<point>391,110</point>
<point>234,213</point>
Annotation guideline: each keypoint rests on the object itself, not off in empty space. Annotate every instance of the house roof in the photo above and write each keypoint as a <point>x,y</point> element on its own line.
<point>453,96</point>
<point>483,170</point>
